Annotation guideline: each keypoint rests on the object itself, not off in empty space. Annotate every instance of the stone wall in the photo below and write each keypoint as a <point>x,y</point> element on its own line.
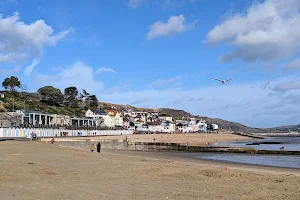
<point>146,146</point>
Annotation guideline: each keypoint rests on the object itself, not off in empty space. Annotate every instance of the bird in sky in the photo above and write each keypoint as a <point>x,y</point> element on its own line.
<point>224,81</point>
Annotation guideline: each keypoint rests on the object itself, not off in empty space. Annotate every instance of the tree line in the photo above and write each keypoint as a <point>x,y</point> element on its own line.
<point>50,95</point>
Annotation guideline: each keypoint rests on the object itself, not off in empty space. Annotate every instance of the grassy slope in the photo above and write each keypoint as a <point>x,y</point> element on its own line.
<point>20,101</point>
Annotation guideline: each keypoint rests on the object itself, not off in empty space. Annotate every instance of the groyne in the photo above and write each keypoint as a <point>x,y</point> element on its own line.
<point>254,136</point>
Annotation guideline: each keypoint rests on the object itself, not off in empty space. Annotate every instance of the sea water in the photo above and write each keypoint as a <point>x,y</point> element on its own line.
<point>270,143</point>
<point>290,161</point>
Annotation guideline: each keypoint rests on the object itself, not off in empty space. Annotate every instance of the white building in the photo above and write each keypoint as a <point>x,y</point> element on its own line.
<point>2,94</point>
<point>191,126</point>
<point>166,118</point>
<point>113,118</point>
<point>98,115</point>
<point>36,118</point>
<point>162,127</point>
<point>215,127</point>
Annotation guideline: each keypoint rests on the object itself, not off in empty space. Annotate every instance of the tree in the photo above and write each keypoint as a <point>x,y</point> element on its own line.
<point>85,96</point>
<point>51,95</point>
<point>24,88</point>
<point>71,94</point>
<point>93,101</point>
<point>11,83</point>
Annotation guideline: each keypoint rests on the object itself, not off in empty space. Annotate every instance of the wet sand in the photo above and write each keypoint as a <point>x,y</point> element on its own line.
<point>33,170</point>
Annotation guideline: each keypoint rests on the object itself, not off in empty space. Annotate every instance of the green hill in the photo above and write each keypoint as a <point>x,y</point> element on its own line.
<point>30,101</point>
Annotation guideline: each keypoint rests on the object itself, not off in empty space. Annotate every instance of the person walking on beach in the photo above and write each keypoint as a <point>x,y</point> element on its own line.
<point>98,147</point>
<point>92,147</point>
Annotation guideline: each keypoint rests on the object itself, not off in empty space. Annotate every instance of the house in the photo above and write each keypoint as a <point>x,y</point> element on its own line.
<point>191,125</point>
<point>113,118</point>
<point>138,124</point>
<point>202,127</point>
<point>166,118</point>
<point>162,127</point>
<point>98,115</point>
<point>2,94</point>
<point>168,127</point>
<point>153,117</point>
<point>126,122</point>
<point>154,126</point>
<point>212,127</point>
<point>134,114</point>
<point>10,119</point>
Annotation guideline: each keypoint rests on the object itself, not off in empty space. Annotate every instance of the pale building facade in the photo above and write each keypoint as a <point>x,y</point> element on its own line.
<point>35,118</point>
<point>166,118</point>
<point>113,118</point>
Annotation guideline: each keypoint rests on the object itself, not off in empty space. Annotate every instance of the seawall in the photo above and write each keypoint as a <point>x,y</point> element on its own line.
<point>155,146</point>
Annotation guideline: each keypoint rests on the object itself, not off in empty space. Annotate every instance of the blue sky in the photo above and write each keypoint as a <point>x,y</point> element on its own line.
<point>162,53</point>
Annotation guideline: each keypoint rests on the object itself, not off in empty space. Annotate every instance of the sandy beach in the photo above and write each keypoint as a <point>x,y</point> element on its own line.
<point>34,170</point>
<point>190,139</point>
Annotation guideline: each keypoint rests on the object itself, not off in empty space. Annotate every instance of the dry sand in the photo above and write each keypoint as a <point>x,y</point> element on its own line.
<point>191,139</point>
<point>33,170</point>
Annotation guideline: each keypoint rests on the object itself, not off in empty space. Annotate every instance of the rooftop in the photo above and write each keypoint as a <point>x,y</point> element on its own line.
<point>99,112</point>
<point>111,113</point>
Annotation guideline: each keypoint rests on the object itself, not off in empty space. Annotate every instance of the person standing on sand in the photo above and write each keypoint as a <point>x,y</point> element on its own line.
<point>92,147</point>
<point>98,147</point>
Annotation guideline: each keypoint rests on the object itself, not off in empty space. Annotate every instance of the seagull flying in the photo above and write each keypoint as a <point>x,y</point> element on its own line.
<point>223,81</point>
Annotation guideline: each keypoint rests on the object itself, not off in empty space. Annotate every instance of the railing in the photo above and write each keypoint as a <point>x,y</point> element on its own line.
<point>44,132</point>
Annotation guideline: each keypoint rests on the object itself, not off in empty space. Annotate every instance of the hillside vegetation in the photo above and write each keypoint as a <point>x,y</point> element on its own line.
<point>30,102</point>
<point>47,99</point>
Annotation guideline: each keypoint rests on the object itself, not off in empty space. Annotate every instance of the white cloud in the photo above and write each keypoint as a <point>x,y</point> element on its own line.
<point>287,85</point>
<point>174,25</point>
<point>12,70</point>
<point>135,3</point>
<point>20,41</point>
<point>117,88</point>
<point>294,65</point>
<point>11,57</point>
<point>103,69</point>
<point>78,74</point>
<point>266,32</point>
<point>28,70</point>
<point>160,82</point>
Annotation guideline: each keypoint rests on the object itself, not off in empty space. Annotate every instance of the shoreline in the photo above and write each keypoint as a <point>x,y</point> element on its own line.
<point>175,156</point>
<point>185,157</point>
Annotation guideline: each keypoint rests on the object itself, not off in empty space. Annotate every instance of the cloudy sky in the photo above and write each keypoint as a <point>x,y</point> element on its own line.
<point>162,53</point>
